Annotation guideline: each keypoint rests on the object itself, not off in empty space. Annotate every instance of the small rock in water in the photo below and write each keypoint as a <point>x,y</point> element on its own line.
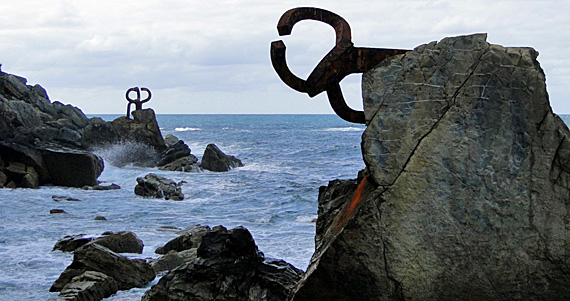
<point>100,218</point>
<point>113,186</point>
<point>159,187</point>
<point>55,211</point>
<point>64,198</point>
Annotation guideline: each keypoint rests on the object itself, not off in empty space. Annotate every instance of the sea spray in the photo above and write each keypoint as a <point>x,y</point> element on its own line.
<point>128,152</point>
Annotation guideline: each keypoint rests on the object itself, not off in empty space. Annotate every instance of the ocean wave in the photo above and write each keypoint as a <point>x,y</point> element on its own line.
<point>185,129</point>
<point>343,129</point>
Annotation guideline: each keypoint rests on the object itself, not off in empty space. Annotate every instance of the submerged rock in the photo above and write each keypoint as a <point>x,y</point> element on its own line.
<point>216,160</point>
<point>228,267</point>
<point>159,187</point>
<point>467,192</point>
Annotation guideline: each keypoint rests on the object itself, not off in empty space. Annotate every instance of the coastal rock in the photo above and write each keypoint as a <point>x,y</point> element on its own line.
<point>142,128</point>
<point>466,196</point>
<point>216,160</point>
<point>177,156</point>
<point>99,132</point>
<point>189,238</point>
<point>159,187</point>
<point>72,167</point>
<point>120,242</point>
<point>174,259</point>
<point>90,285</point>
<point>93,257</point>
<point>229,267</point>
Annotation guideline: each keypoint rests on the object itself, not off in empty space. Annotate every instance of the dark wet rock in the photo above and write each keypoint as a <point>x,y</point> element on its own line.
<point>119,242</point>
<point>184,164</point>
<point>112,186</point>
<point>216,160</point>
<point>99,133</point>
<point>61,198</point>
<point>467,193</point>
<point>142,128</point>
<point>90,285</point>
<point>173,152</point>
<point>57,211</point>
<point>71,243</point>
<point>100,218</point>
<point>93,257</point>
<point>188,238</point>
<point>156,186</point>
<point>71,167</point>
<point>228,267</point>
<point>174,259</point>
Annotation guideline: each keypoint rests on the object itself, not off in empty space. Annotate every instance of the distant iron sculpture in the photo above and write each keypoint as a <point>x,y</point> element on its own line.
<point>342,60</point>
<point>137,101</point>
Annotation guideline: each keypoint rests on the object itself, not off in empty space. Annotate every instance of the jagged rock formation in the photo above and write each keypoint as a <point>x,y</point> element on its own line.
<point>34,132</point>
<point>177,156</point>
<point>113,272</point>
<point>228,267</point>
<point>159,187</point>
<point>468,184</point>
<point>215,159</point>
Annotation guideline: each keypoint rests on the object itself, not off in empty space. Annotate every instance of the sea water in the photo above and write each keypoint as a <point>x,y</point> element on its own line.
<point>286,157</point>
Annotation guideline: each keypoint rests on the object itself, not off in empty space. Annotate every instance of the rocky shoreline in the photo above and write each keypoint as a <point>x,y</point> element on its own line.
<point>464,195</point>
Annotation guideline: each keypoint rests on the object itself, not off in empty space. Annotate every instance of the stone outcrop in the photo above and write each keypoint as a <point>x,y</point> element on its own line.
<point>33,131</point>
<point>177,156</point>
<point>118,272</point>
<point>142,128</point>
<point>466,194</point>
<point>159,187</point>
<point>119,242</point>
<point>228,267</point>
<point>215,159</point>
<point>189,238</point>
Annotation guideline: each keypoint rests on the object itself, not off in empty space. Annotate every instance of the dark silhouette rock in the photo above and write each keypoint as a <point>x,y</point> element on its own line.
<point>93,257</point>
<point>159,187</point>
<point>72,167</point>
<point>99,132</point>
<point>72,242</point>
<point>466,194</point>
<point>228,267</point>
<point>216,160</point>
<point>57,211</point>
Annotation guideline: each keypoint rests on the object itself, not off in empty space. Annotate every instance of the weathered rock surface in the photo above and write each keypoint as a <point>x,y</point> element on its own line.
<point>177,156</point>
<point>468,185</point>
<point>159,187</point>
<point>90,285</point>
<point>93,257</point>
<point>119,242</point>
<point>31,129</point>
<point>229,267</point>
<point>142,128</point>
<point>216,160</point>
<point>188,238</point>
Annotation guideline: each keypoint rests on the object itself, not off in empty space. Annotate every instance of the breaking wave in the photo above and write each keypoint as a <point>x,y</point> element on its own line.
<point>185,129</point>
<point>128,152</point>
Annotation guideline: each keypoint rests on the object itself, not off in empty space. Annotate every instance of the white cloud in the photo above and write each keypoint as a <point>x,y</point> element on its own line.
<point>215,53</point>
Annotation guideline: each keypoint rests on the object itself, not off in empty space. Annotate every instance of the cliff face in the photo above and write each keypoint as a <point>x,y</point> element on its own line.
<point>468,183</point>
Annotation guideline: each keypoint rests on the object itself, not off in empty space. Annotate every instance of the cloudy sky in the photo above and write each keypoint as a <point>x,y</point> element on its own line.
<point>213,56</point>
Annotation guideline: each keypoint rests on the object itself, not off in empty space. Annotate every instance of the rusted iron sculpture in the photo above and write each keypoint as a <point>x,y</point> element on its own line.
<point>342,60</point>
<point>137,101</point>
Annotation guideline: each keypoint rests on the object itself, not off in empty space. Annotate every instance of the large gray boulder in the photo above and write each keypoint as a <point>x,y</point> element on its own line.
<point>466,196</point>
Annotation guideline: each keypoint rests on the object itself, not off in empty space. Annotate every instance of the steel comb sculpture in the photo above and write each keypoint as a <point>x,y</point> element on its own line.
<point>137,101</point>
<point>342,60</point>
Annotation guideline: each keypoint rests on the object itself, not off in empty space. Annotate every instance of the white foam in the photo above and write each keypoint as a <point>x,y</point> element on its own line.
<point>186,129</point>
<point>344,129</point>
